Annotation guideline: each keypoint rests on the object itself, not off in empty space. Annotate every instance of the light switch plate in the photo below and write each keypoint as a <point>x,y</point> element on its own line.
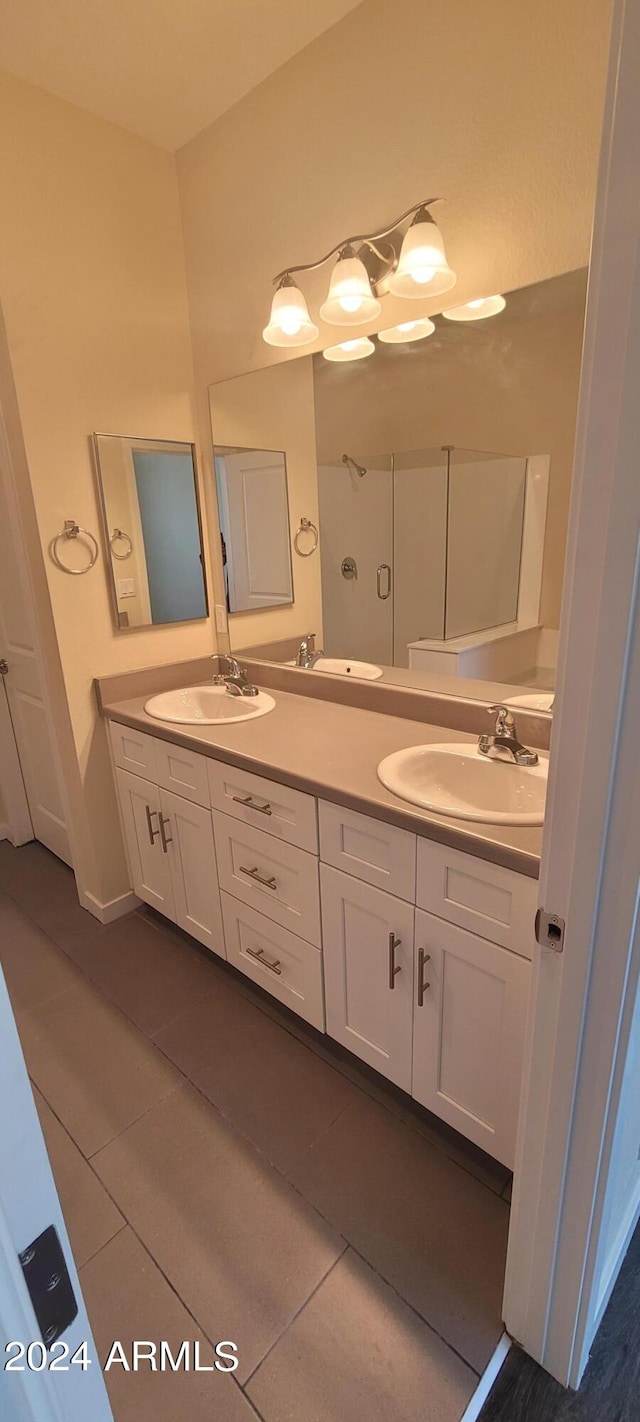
<point>221,617</point>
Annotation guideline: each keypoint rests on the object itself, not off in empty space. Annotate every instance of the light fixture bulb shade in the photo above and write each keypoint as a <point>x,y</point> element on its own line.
<point>350,300</point>
<point>407,331</point>
<point>422,268</point>
<point>289,323</point>
<point>357,349</point>
<point>476,310</point>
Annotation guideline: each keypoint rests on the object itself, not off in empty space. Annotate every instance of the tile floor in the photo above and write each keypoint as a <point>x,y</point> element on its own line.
<point>227,1172</point>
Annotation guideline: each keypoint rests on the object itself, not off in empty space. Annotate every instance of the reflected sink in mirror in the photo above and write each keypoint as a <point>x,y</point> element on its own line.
<point>457,780</point>
<point>207,706</point>
<point>534,701</point>
<point>342,666</point>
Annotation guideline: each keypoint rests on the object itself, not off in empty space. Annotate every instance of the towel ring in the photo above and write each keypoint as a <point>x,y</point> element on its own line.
<point>118,534</point>
<point>71,530</point>
<point>306,526</point>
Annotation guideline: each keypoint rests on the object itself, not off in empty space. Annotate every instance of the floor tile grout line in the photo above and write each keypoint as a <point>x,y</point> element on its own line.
<point>432,1329</point>
<point>105,1243</point>
<point>298,1311</point>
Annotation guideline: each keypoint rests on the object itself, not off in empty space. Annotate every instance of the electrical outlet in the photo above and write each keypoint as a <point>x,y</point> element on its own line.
<point>221,617</point>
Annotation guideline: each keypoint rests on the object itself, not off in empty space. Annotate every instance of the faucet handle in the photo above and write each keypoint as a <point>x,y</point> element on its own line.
<point>504,718</point>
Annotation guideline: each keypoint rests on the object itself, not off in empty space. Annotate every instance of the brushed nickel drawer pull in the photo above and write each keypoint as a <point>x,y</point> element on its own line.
<point>251,804</point>
<point>269,883</point>
<point>258,954</point>
<point>166,838</point>
<point>153,834</point>
<point>393,966</point>
<point>423,987</point>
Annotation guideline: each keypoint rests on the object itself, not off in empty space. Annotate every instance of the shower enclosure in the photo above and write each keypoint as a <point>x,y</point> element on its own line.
<point>424,544</point>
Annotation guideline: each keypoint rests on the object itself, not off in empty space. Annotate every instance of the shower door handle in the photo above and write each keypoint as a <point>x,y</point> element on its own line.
<point>384,568</point>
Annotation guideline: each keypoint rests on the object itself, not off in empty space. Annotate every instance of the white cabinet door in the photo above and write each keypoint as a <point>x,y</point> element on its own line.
<point>469,1033</point>
<point>149,867</point>
<point>368,972</point>
<point>187,831</point>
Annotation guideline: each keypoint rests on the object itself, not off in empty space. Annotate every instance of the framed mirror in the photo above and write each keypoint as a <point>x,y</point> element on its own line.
<point>253,506</point>
<point>152,530</point>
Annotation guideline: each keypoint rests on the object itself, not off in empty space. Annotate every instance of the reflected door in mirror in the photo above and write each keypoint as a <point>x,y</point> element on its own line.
<point>254,520</point>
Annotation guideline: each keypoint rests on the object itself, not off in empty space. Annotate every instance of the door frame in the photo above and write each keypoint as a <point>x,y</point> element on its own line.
<point>582,1000</point>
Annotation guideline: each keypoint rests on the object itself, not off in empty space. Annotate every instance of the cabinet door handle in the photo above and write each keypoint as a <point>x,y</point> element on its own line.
<point>153,833</point>
<point>252,804</point>
<point>393,966</point>
<point>166,838</point>
<point>423,987</point>
<point>269,883</point>
<point>258,954</point>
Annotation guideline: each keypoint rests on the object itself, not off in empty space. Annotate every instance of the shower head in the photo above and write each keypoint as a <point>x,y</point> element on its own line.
<point>358,469</point>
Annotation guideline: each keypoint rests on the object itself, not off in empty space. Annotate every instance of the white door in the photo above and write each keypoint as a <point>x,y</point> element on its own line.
<point>254,509</point>
<point>29,1214</point>
<point>25,686</point>
<point>148,863</point>
<point>187,831</point>
<point>469,1030</point>
<point>368,972</point>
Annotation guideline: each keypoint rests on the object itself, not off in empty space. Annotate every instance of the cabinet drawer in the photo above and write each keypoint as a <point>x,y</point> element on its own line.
<point>289,814</point>
<point>494,902</point>
<point>182,771</point>
<point>368,849</point>
<point>277,960</point>
<point>277,878</point>
<point>133,750</point>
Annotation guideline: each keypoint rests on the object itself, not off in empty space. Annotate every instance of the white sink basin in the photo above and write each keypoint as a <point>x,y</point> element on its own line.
<point>456,780</point>
<point>345,666</point>
<point>533,700</point>
<point>207,706</point>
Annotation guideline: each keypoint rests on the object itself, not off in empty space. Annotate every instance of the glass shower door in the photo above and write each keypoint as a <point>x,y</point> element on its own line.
<point>356,519</point>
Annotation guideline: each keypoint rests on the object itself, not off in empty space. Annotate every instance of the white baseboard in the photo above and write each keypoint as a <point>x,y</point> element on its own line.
<point>113,909</point>
<point>476,1404</point>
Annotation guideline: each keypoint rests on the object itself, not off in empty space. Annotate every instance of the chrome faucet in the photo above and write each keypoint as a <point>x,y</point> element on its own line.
<point>235,679</point>
<point>505,738</point>
<point>306,655</point>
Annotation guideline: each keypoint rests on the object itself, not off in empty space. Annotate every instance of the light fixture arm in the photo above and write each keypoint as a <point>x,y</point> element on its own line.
<point>364,239</point>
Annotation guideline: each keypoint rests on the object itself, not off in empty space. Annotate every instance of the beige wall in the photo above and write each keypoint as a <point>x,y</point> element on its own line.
<point>509,386</point>
<point>494,106</point>
<point>94,300</point>
<point>273,409</point>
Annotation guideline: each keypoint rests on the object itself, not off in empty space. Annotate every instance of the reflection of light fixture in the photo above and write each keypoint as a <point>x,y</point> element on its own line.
<point>476,310</point>
<point>357,349</point>
<point>405,261</point>
<point>289,323</point>
<point>407,331</point>
<point>351,300</point>
<point>422,268</point>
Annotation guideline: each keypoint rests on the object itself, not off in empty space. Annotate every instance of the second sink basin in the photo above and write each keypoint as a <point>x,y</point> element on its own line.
<point>344,666</point>
<point>456,780</point>
<point>207,706</point>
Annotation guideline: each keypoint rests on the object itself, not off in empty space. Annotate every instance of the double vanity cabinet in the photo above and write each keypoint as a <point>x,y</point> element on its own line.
<point>414,956</point>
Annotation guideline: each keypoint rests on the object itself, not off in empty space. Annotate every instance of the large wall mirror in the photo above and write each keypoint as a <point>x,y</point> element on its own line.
<point>151,516</point>
<point>438,474</point>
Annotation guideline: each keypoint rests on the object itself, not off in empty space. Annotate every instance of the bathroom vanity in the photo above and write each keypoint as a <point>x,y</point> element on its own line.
<point>362,915</point>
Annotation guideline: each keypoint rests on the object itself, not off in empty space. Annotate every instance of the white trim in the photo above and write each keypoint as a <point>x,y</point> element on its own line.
<point>19,828</point>
<point>533,529</point>
<point>494,1366</point>
<point>583,999</point>
<point>114,908</point>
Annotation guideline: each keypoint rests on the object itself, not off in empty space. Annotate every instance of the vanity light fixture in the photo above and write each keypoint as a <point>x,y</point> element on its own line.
<point>422,268</point>
<point>356,349</point>
<point>407,331</point>
<point>476,310</point>
<point>289,323</point>
<point>407,261</point>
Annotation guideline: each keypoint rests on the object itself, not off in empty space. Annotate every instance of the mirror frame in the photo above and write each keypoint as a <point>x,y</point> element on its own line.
<point>174,444</point>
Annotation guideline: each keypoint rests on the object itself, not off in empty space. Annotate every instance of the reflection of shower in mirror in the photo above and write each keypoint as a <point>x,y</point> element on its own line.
<point>358,469</point>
